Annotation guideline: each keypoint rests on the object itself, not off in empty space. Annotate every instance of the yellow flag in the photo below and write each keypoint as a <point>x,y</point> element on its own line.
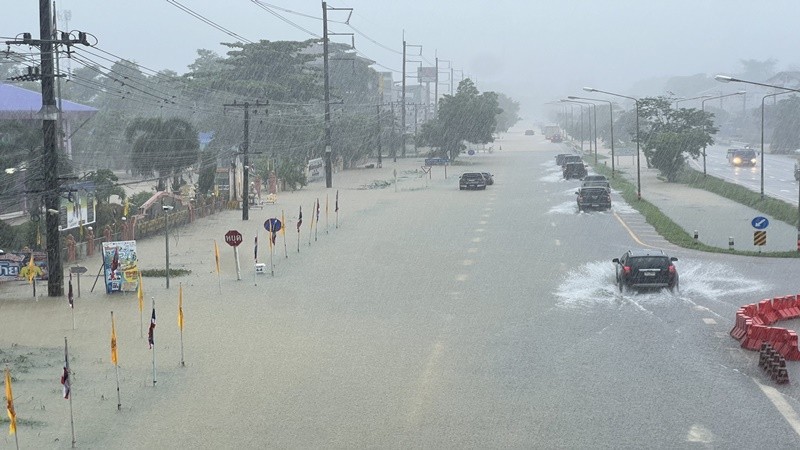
<point>12,415</point>
<point>283,225</point>
<point>216,254</point>
<point>126,208</point>
<point>31,272</point>
<point>113,341</point>
<point>180,307</point>
<point>140,293</point>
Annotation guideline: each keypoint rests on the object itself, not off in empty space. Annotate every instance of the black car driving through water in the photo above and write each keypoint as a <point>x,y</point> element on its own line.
<point>472,180</point>
<point>646,269</point>
<point>596,197</point>
<point>573,170</point>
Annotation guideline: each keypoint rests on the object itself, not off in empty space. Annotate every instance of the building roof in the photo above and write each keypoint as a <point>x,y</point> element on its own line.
<point>21,104</point>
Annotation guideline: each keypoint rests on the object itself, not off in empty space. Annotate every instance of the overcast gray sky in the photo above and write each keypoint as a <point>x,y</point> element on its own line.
<point>531,50</point>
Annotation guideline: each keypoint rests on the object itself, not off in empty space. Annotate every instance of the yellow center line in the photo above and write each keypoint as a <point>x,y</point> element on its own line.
<point>631,233</point>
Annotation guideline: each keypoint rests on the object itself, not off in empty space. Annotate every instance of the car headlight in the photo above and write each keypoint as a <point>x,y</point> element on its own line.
<point>737,160</point>
<point>753,161</point>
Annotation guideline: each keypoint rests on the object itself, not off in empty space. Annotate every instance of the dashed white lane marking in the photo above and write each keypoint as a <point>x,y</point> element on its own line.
<point>477,239</point>
<point>701,434</point>
<point>479,230</point>
<point>709,321</point>
<point>426,379</point>
<point>461,277</point>
<point>487,209</point>
<point>781,405</point>
<point>468,262</point>
<point>472,250</point>
<point>558,242</point>
<point>485,215</point>
<point>483,222</point>
<point>552,224</point>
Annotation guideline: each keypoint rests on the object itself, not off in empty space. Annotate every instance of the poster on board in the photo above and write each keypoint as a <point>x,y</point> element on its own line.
<point>120,266</point>
<point>11,265</point>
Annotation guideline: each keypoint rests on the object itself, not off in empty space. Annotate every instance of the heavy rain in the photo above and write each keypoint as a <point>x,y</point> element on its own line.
<point>363,224</point>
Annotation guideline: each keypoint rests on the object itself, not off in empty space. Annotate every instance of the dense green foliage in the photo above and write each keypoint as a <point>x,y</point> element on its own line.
<point>468,116</point>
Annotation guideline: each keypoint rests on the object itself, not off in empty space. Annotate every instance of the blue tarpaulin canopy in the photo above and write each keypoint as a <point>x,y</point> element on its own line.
<point>21,104</point>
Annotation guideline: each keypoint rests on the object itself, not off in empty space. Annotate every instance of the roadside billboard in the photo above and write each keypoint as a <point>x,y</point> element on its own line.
<point>120,266</point>
<point>11,265</point>
<point>80,210</point>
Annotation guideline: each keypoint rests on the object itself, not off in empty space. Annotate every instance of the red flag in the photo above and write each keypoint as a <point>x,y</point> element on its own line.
<point>255,251</point>
<point>300,219</point>
<point>70,295</point>
<point>337,202</point>
<point>317,210</point>
<point>65,381</point>
<point>150,338</point>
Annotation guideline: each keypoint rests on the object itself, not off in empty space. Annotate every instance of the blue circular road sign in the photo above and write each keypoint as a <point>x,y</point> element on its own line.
<point>273,225</point>
<point>760,223</point>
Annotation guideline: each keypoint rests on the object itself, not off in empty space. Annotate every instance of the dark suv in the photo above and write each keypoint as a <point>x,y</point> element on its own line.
<point>570,159</point>
<point>472,180</point>
<point>573,170</point>
<point>645,268</point>
<point>597,197</point>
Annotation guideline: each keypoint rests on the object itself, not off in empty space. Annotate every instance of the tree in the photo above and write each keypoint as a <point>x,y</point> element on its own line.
<point>105,185</point>
<point>786,134</point>
<point>667,135</point>
<point>509,115</point>
<point>466,116</point>
<point>162,146</point>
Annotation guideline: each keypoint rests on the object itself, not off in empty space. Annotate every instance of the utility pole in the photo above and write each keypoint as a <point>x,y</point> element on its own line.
<point>436,90</point>
<point>394,147</point>
<point>246,154</point>
<point>378,137</point>
<point>328,166</point>
<point>55,282</point>
<point>49,113</point>
<point>403,99</point>
<point>415,129</point>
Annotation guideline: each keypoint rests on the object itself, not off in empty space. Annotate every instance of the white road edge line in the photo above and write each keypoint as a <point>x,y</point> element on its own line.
<point>781,405</point>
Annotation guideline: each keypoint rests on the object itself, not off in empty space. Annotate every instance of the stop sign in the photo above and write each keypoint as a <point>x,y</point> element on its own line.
<point>233,238</point>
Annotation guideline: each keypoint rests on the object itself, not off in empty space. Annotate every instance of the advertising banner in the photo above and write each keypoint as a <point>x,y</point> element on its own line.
<point>79,211</point>
<point>11,265</point>
<point>316,169</point>
<point>121,268</point>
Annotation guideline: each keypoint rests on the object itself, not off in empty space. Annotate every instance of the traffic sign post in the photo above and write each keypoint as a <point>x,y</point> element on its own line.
<point>760,223</point>
<point>234,238</point>
<point>78,270</point>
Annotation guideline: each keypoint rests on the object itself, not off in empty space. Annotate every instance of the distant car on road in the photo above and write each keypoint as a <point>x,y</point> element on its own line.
<point>573,170</point>
<point>646,269</point>
<point>593,198</point>
<point>471,180</point>
<point>742,157</point>
<point>489,178</point>
<point>560,158</point>
<point>529,133</point>
<point>595,180</point>
<point>571,159</point>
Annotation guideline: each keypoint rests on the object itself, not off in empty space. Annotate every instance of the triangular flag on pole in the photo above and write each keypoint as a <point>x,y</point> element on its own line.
<point>114,359</point>
<point>180,307</point>
<point>12,415</point>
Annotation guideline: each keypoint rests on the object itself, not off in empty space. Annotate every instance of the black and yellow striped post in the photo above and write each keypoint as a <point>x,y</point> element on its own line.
<point>760,238</point>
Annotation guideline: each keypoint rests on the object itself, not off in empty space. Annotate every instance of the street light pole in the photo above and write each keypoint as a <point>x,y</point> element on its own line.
<point>638,162</point>
<point>728,79</point>
<point>703,109</point>
<point>611,115</point>
<point>687,99</point>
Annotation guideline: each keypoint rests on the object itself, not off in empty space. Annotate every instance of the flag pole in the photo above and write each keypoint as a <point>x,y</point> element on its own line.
<point>283,232</point>
<point>271,251</point>
<point>316,228</point>
<point>154,341</point>
<point>311,224</point>
<point>236,257</point>
<point>116,365</point>
<point>337,209</point>
<point>255,261</point>
<point>180,318</point>
<point>66,366</point>
<point>216,257</point>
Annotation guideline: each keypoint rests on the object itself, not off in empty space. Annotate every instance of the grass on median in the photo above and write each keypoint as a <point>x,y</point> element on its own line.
<point>671,231</point>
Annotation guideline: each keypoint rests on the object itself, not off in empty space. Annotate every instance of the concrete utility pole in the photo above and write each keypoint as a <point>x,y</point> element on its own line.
<point>55,283</point>
<point>403,103</point>
<point>245,154</point>
<point>436,90</point>
<point>328,164</point>
<point>378,137</point>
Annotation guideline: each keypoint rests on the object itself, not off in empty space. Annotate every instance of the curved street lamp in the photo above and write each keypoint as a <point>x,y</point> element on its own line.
<point>687,99</point>
<point>594,111</point>
<point>611,116</point>
<point>703,108</point>
<point>638,163</point>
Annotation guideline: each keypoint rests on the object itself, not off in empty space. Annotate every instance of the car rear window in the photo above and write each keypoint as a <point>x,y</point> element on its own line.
<point>649,262</point>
